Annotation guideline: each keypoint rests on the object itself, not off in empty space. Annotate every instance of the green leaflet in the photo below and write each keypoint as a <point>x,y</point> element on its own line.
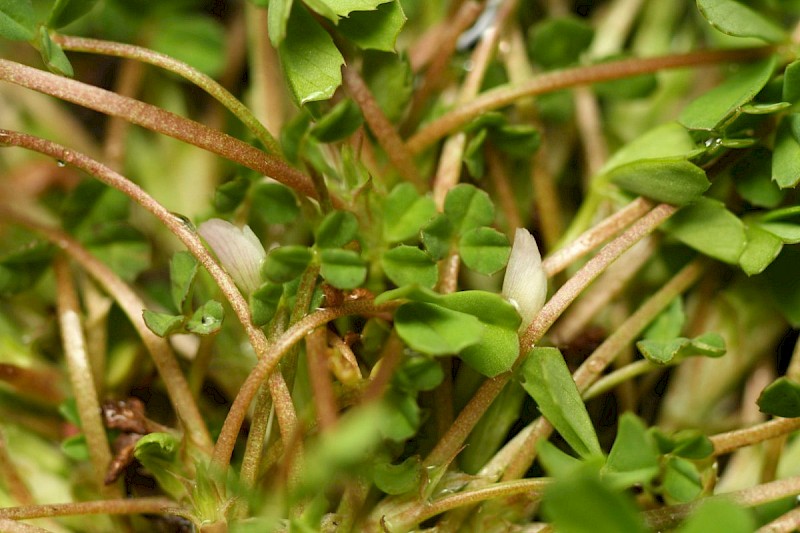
<point>17,20</point>
<point>546,378</point>
<point>377,29</point>
<point>310,60</point>
<point>711,109</point>
<point>708,227</point>
<point>674,180</point>
<point>405,265</point>
<point>737,19</point>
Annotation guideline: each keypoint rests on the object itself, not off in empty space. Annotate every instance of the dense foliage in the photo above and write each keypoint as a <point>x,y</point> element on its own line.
<point>394,265</point>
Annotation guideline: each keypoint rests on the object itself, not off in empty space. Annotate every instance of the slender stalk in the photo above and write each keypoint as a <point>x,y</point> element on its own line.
<point>81,376</point>
<point>97,307</point>
<point>733,440</point>
<point>127,83</point>
<point>390,358</point>
<point>305,292</point>
<point>233,422</point>
<point>259,427</point>
<point>384,131</point>
<point>667,517</point>
<point>577,283</point>
<point>268,93</point>
<point>601,293</point>
<point>546,202</point>
<point>120,506</point>
<point>200,363</point>
<point>158,120</point>
<point>617,377</point>
<point>131,305</point>
<point>448,172</point>
<point>450,161</point>
<point>573,77</point>
<point>189,73</point>
<point>590,127</point>
<point>505,194</point>
<point>590,239</point>
<point>532,488</point>
<point>445,47</point>
<point>320,378</point>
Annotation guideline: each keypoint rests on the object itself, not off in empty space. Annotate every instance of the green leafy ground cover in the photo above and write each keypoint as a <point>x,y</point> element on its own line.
<point>399,265</point>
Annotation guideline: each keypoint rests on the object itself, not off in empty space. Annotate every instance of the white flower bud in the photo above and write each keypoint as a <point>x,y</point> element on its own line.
<point>525,283</point>
<point>238,250</point>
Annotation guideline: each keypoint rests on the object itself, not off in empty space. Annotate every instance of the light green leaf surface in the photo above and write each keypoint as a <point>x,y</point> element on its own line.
<point>708,227</point>
<point>435,330</point>
<point>673,181</point>
<point>546,378</point>
<point>375,30</point>
<point>405,265</point>
<point>737,19</point>
<point>17,20</point>
<point>715,106</point>
<point>310,60</point>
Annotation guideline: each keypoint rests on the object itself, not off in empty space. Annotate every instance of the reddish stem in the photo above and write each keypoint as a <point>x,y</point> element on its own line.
<point>573,77</point>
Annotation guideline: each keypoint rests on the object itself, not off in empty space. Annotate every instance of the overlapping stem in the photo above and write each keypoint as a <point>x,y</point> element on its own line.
<point>191,74</point>
<point>110,507</point>
<point>490,388</point>
<point>573,77</point>
<point>233,422</point>
<point>158,120</point>
<point>80,374</point>
<point>130,303</point>
<point>176,225</point>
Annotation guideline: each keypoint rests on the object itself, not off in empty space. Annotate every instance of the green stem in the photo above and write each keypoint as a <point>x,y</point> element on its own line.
<point>617,377</point>
<point>305,292</point>
<point>158,120</point>
<point>205,82</point>
<point>81,376</point>
<point>573,77</point>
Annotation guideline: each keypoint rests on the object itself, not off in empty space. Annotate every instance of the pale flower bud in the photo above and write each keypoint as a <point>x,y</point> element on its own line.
<point>525,283</point>
<point>238,250</point>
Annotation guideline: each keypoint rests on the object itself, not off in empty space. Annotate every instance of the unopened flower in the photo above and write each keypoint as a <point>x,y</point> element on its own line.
<point>525,283</point>
<point>238,249</point>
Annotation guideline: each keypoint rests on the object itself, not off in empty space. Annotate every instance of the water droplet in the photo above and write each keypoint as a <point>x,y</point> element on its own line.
<point>183,219</point>
<point>712,143</point>
<point>60,163</point>
<point>207,320</point>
